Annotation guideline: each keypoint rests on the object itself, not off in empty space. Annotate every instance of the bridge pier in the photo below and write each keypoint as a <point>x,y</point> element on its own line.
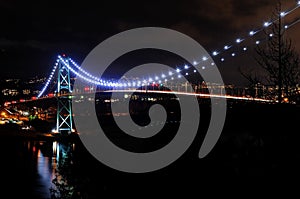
<point>64,118</point>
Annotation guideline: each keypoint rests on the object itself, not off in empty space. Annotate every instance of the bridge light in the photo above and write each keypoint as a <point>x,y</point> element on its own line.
<point>215,53</point>
<point>251,33</point>
<point>195,63</point>
<point>177,70</point>
<point>226,47</point>
<point>186,66</point>
<point>282,14</point>
<point>238,40</point>
<point>204,58</point>
<point>266,24</point>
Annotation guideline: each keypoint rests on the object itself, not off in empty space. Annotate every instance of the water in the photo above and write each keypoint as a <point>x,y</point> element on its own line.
<point>28,167</point>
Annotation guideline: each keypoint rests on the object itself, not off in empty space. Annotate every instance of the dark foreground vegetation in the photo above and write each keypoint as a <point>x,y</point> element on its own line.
<point>258,152</point>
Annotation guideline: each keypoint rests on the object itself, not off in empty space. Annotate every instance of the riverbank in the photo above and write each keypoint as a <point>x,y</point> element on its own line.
<point>11,133</point>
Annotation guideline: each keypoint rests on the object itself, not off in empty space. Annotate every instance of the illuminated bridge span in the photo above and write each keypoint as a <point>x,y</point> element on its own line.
<point>64,66</point>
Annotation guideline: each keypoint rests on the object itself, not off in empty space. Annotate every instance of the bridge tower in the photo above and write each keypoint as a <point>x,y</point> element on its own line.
<point>64,120</point>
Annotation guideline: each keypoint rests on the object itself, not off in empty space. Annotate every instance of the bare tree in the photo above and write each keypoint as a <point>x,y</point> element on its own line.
<point>278,57</point>
<point>253,78</point>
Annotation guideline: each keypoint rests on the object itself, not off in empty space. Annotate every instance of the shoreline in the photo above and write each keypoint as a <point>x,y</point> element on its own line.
<point>37,136</point>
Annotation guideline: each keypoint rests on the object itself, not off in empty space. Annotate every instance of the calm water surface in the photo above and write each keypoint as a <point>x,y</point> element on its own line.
<point>28,167</point>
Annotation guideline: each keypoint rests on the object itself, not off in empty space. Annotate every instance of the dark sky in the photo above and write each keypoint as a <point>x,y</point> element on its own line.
<point>34,32</point>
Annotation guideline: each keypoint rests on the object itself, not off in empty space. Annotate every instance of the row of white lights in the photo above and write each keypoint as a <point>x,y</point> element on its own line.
<point>101,82</point>
<point>95,80</point>
<point>49,79</point>
<point>254,32</point>
<point>214,53</point>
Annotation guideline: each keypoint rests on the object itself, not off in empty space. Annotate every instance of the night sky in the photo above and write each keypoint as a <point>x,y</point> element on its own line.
<point>33,33</point>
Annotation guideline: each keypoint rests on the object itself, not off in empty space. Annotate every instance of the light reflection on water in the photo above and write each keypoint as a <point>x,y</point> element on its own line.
<point>45,156</point>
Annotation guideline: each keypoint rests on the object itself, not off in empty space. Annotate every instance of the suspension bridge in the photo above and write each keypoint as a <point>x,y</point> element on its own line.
<point>65,69</point>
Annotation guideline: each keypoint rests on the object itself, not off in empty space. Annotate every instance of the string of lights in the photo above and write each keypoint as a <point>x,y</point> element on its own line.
<point>49,79</point>
<point>170,75</point>
<point>251,33</point>
<point>163,77</point>
<point>227,47</point>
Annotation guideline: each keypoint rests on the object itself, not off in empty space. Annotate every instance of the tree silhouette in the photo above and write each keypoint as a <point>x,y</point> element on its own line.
<point>278,57</point>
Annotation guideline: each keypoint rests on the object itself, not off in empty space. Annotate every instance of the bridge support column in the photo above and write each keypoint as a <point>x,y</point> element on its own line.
<point>64,118</point>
